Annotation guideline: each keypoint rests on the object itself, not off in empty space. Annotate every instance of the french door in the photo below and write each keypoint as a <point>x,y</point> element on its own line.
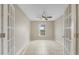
<point>0,29</point>
<point>70,30</point>
<point>7,28</point>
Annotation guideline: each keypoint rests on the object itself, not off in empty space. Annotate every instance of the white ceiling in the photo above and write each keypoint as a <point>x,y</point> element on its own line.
<point>34,11</point>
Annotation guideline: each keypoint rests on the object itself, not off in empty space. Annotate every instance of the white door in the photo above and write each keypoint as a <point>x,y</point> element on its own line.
<point>11,29</point>
<point>70,30</point>
<point>7,35</point>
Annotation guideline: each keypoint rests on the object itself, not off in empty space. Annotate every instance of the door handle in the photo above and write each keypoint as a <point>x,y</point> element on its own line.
<point>2,35</point>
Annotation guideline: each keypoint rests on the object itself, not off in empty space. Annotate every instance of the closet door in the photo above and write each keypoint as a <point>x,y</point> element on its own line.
<point>70,30</point>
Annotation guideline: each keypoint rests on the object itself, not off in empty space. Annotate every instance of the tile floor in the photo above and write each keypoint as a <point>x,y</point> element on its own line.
<point>44,47</point>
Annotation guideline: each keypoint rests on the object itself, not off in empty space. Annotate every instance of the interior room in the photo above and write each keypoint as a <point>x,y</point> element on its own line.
<point>39,29</point>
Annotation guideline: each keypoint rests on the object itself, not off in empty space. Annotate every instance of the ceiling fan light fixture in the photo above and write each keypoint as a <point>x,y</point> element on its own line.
<point>44,16</point>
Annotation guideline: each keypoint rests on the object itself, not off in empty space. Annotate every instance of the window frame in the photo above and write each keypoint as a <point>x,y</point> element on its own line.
<point>40,25</point>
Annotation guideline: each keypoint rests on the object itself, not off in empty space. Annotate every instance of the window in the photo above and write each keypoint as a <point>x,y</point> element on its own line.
<point>42,30</point>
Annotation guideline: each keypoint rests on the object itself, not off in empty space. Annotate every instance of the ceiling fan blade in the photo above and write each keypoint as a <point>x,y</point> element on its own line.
<point>49,17</point>
<point>43,16</point>
<point>46,19</point>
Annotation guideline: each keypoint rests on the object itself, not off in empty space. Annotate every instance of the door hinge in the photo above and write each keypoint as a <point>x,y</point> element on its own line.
<point>2,35</point>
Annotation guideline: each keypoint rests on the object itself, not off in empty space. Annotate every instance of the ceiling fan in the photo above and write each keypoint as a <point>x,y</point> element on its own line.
<point>45,16</point>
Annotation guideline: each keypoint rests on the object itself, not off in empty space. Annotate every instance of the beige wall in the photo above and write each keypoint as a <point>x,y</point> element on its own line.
<point>22,30</point>
<point>59,30</point>
<point>35,30</point>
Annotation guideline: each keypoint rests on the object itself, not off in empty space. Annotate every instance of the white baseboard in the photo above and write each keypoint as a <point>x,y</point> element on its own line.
<point>22,50</point>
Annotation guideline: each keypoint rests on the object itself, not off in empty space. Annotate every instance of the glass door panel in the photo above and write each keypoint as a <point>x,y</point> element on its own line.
<point>67,31</point>
<point>11,23</point>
